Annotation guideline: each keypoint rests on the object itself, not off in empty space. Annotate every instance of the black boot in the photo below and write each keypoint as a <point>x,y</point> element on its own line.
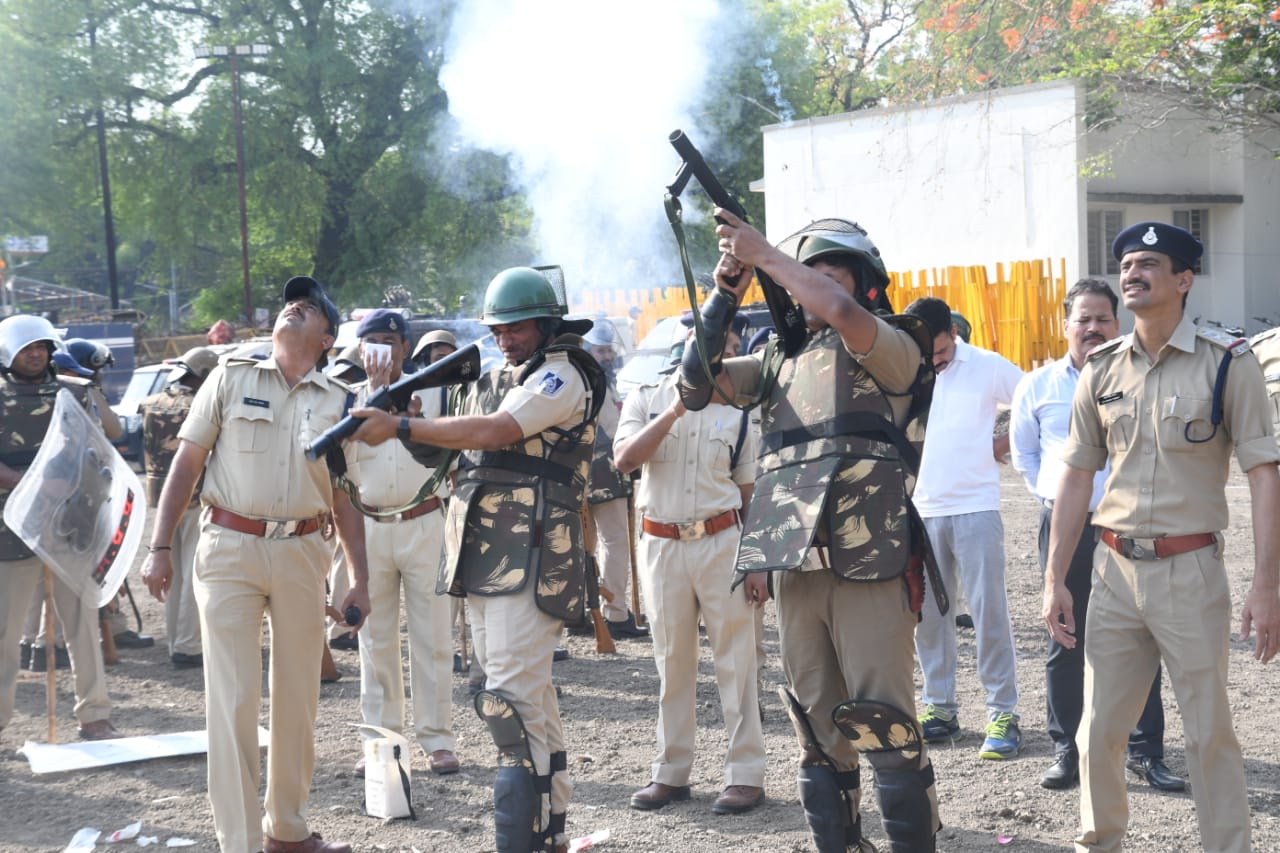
<point>516,807</point>
<point>906,810</point>
<point>828,800</point>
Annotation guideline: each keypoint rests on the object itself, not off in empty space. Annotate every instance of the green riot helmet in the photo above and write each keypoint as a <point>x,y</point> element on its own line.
<point>829,238</point>
<point>519,293</point>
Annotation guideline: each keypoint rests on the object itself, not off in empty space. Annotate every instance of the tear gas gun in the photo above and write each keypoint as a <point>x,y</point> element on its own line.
<point>455,368</point>
<point>788,319</point>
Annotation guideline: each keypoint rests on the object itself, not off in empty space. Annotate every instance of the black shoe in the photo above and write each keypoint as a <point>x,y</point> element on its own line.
<point>1155,772</point>
<point>185,661</point>
<point>134,640</point>
<point>964,620</point>
<point>345,643</point>
<point>24,656</point>
<point>60,659</point>
<point>1063,773</point>
<point>627,628</point>
<point>559,654</point>
<point>457,662</point>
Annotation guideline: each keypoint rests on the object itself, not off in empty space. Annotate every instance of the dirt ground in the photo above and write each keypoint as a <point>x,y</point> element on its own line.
<point>609,708</point>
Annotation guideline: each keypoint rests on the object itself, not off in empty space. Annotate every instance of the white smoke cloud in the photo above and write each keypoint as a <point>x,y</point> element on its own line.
<point>581,94</point>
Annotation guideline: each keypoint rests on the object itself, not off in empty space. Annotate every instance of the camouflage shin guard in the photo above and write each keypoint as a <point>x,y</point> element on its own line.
<point>518,790</point>
<point>829,796</point>
<point>908,804</point>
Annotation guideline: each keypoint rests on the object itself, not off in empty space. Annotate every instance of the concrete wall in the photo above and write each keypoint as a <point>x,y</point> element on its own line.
<point>963,181</point>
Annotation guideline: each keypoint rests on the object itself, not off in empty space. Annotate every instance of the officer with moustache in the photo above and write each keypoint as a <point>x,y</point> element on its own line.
<point>513,535</point>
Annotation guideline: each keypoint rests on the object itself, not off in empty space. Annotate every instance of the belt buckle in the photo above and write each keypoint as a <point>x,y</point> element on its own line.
<point>691,531</point>
<point>278,530</point>
<point>1142,549</point>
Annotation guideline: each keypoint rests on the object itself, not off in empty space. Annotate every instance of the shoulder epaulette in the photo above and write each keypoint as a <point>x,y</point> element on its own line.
<point>348,388</point>
<point>76,381</point>
<point>1264,336</point>
<point>1222,340</point>
<point>1108,347</point>
<point>240,360</point>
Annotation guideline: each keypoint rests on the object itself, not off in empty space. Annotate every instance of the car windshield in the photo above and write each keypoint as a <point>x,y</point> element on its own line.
<point>143,383</point>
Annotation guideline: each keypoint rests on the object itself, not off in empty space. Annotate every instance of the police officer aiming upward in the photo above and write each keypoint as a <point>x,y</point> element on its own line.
<point>830,514</point>
<point>261,551</point>
<point>513,535</point>
<point>1166,406</point>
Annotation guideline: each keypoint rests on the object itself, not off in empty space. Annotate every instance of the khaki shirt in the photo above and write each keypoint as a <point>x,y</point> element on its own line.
<point>1168,476</point>
<point>690,476</point>
<point>388,475</point>
<point>554,395</point>
<point>892,361</point>
<point>256,429</point>
<point>1266,347</point>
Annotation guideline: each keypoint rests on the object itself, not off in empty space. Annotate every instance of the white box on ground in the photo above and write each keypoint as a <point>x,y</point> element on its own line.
<point>386,773</point>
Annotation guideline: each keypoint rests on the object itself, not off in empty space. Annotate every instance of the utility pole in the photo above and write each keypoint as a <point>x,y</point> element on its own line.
<point>231,53</point>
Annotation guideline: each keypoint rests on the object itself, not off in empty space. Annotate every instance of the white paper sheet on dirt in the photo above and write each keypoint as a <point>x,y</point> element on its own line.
<point>61,757</point>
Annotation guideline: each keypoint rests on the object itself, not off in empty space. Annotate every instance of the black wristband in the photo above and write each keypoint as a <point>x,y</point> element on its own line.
<point>151,549</point>
<point>402,431</point>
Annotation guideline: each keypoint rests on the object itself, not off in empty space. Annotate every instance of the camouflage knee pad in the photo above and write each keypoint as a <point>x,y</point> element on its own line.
<point>519,793</point>
<point>877,729</point>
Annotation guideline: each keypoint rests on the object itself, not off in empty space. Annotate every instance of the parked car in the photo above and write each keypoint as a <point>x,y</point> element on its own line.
<point>144,382</point>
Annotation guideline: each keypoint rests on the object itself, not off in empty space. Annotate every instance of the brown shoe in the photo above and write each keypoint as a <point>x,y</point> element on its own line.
<point>359,768</point>
<point>656,795</point>
<point>442,762</point>
<point>99,730</point>
<point>737,799</point>
<point>314,844</point>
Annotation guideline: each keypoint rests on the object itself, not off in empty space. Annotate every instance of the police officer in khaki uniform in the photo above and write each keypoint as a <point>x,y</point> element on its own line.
<point>1166,406</point>
<point>1266,346</point>
<point>261,551</point>
<point>404,533</point>
<point>841,423</point>
<point>162,416</point>
<point>28,388</point>
<point>513,535</point>
<point>691,493</point>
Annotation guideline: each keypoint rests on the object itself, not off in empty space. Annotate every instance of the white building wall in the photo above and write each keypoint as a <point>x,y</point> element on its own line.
<point>971,180</point>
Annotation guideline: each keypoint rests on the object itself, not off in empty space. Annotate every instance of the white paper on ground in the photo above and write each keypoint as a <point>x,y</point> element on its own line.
<point>81,755</point>
<point>83,840</point>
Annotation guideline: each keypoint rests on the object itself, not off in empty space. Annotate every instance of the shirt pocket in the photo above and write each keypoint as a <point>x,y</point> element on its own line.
<point>1120,419</point>
<point>722,438</point>
<point>1185,422</point>
<point>248,428</point>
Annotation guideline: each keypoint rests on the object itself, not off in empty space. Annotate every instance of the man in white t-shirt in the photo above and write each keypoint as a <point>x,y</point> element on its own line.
<point>958,497</point>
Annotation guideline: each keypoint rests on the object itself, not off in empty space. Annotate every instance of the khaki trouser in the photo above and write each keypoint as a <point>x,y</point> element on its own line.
<point>682,581</point>
<point>843,640</point>
<point>239,578</point>
<point>405,556</point>
<point>514,642</point>
<point>19,580</point>
<point>1141,612</point>
<point>181,618</point>
<point>613,555</point>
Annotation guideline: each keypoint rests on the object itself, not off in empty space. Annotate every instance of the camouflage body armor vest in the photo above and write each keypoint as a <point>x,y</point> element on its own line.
<point>162,417</point>
<point>25,413</point>
<point>517,512</point>
<point>834,469</point>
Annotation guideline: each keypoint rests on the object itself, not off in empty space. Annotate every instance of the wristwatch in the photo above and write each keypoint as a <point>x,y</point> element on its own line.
<point>402,431</point>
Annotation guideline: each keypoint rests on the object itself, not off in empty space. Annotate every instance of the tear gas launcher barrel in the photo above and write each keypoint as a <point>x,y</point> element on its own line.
<point>788,319</point>
<point>457,367</point>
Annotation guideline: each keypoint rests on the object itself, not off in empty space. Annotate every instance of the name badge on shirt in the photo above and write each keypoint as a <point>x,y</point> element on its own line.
<point>1110,398</point>
<point>254,401</point>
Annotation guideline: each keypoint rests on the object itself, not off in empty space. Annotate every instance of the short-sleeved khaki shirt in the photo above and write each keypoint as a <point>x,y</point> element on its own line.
<point>388,474</point>
<point>1152,422</point>
<point>256,429</point>
<point>690,477</point>
<point>1266,347</point>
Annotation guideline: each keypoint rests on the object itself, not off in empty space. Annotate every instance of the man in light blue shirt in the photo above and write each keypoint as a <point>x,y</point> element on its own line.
<point>1038,430</point>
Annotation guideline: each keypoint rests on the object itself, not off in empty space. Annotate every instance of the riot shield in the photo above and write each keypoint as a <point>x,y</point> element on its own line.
<point>79,506</point>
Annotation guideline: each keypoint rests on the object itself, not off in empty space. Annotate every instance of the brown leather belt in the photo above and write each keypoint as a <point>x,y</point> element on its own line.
<point>1157,549</point>
<point>693,529</point>
<point>429,505</point>
<point>267,529</point>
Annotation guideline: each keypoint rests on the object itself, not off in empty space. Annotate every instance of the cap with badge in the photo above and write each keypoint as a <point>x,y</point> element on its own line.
<point>382,321</point>
<point>197,362</point>
<point>306,287</point>
<point>1177,243</point>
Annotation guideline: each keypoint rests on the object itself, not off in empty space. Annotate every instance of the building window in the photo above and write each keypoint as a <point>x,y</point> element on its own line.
<point>1197,222</point>
<point>1103,227</point>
